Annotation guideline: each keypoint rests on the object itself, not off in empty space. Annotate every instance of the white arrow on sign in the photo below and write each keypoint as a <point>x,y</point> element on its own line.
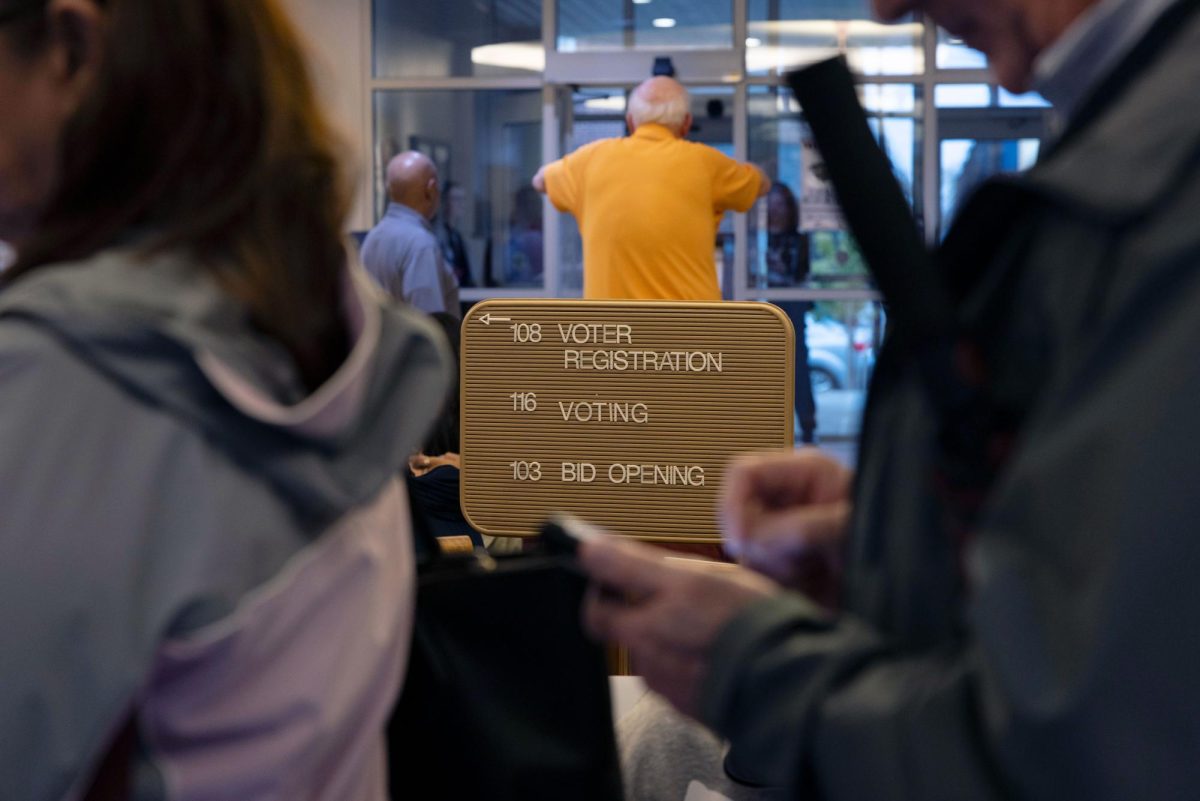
<point>489,318</point>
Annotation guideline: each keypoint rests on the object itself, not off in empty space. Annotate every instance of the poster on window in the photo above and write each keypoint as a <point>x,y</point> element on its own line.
<point>819,209</point>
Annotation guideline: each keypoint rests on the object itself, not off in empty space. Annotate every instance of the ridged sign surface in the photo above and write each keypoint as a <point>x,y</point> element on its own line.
<point>625,414</point>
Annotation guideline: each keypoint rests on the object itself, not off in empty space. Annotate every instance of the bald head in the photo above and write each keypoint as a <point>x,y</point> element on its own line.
<point>660,100</point>
<point>412,180</point>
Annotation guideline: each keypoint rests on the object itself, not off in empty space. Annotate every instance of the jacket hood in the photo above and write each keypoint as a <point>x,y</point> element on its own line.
<point>160,328</point>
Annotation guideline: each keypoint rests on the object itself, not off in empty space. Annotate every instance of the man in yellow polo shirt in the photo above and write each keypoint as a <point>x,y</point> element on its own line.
<point>649,204</point>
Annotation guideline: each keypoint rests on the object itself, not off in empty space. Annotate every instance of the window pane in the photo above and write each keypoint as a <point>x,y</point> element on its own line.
<point>984,131</point>
<point>966,163</point>
<point>785,34</point>
<point>797,235</point>
<point>596,113</point>
<point>836,344</point>
<point>964,95</point>
<point>454,38</point>
<point>982,95</point>
<point>1026,100</point>
<point>489,143</point>
<point>953,54</point>
<point>585,25</point>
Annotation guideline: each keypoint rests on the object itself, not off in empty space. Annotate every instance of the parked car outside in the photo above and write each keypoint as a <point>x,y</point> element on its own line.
<point>837,360</point>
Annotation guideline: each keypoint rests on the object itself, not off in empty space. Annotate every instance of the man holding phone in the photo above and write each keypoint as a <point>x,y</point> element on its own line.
<point>1044,651</point>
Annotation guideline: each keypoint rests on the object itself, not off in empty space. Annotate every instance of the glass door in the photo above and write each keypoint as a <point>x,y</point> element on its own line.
<point>983,131</point>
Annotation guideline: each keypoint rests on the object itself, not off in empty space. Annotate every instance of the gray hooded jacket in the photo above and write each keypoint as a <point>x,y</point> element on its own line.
<point>188,538</point>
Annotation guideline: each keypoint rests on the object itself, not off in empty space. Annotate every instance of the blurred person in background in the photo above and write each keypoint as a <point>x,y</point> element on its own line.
<point>523,262</point>
<point>454,247</point>
<point>435,469</point>
<point>787,266</point>
<point>206,571</point>
<point>401,252</point>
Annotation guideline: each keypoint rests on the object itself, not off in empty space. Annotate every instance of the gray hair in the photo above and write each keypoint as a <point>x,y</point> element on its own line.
<point>669,109</point>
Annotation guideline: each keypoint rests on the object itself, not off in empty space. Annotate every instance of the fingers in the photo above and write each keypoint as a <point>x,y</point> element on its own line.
<point>610,618</point>
<point>639,596</point>
<point>600,618</point>
<point>626,581</point>
<point>667,614</point>
<point>788,476</point>
<point>795,532</point>
<point>759,485</point>
<point>635,620</point>
<point>626,568</point>
<point>786,546</point>
<point>433,462</point>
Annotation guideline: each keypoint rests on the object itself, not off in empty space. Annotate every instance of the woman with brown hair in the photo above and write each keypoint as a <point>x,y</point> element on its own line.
<point>205,565</point>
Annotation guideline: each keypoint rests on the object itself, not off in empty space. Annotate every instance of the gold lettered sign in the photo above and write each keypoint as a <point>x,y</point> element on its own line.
<point>623,413</point>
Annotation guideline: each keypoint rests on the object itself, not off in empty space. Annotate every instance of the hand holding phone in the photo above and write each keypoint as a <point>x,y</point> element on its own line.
<point>563,532</point>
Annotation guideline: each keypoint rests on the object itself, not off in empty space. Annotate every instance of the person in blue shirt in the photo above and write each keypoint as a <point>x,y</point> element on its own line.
<point>402,252</point>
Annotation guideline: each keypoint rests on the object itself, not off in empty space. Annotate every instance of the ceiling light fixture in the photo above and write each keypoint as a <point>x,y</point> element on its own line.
<point>529,56</point>
<point>664,22</point>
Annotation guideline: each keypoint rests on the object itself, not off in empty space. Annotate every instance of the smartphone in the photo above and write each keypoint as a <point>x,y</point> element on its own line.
<point>562,533</point>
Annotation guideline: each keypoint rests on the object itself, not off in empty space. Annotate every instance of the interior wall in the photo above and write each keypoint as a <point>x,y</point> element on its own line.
<point>334,30</point>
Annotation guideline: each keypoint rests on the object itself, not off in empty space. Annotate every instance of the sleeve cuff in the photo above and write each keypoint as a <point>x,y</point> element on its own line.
<point>747,633</point>
<point>769,671</point>
<point>553,190</point>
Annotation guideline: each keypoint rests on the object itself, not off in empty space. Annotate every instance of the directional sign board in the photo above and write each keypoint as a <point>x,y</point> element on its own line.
<point>624,413</point>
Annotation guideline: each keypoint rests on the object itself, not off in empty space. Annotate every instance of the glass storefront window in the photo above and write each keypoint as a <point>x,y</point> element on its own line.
<point>963,95</point>
<point>456,78</point>
<point>796,235</point>
<point>591,25</point>
<point>966,163</point>
<point>785,34</point>
<point>488,143</point>
<point>1027,100</point>
<point>983,131</point>
<point>982,95</point>
<point>457,38</point>
<point>596,113</point>
<point>836,345</point>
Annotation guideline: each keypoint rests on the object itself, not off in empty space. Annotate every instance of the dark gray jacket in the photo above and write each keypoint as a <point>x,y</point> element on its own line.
<point>1055,656</point>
